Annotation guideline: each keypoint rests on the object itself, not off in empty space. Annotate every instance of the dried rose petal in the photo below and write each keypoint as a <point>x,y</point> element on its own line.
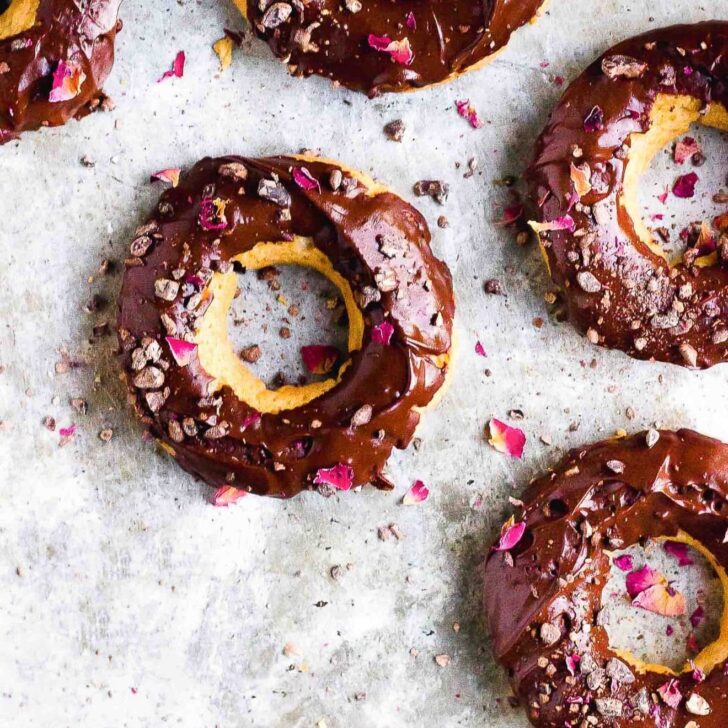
<point>181,350</point>
<point>479,349</point>
<point>418,493</point>
<point>692,643</point>
<point>565,222</point>
<point>670,693</point>
<point>594,120</point>
<point>511,214</point>
<point>399,50</point>
<point>212,214</point>
<point>581,177</point>
<point>506,439</point>
<point>252,419</point>
<point>572,663</point>
<point>223,48</point>
<point>319,359</point>
<point>684,149</point>
<point>226,494</point>
<point>684,186</point>
<point>663,197</point>
<point>624,562</point>
<point>69,431</point>
<point>661,599</point>
<point>67,82</point>
<point>382,333</point>
<point>641,579</point>
<point>339,476</point>
<point>305,180</point>
<point>697,674</point>
<point>510,535</point>
<point>680,551</point>
<point>468,112</point>
<point>410,21</point>
<point>170,176</point>
<point>697,616</point>
<point>178,68</point>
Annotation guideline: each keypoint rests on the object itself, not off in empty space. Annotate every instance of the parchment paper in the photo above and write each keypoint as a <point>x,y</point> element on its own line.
<point>126,599</point>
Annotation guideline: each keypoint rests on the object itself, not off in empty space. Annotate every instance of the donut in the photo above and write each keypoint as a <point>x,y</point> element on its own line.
<point>54,57</point>
<point>377,46</point>
<point>544,582</point>
<point>620,289</point>
<point>198,398</point>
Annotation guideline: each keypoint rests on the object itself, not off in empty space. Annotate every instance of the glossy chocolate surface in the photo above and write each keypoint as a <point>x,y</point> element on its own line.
<point>603,497</point>
<point>619,291</point>
<point>280,454</point>
<point>80,34</point>
<point>446,37</point>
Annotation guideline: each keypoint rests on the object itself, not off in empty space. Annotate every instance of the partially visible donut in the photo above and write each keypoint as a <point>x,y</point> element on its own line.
<point>54,57</point>
<point>620,289</point>
<point>543,588</point>
<point>217,418</point>
<point>379,45</point>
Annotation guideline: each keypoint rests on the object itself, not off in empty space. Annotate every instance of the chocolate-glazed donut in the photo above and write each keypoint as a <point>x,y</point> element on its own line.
<point>620,289</point>
<point>220,421</point>
<point>379,45</point>
<point>54,57</point>
<point>543,587</point>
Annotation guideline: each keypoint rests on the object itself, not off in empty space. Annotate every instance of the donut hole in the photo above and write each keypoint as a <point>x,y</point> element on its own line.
<point>670,224</point>
<point>649,639</point>
<point>279,310</point>
<point>221,358</point>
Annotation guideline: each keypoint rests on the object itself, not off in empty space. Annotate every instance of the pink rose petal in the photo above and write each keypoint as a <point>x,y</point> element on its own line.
<point>410,21</point>
<point>226,494</point>
<point>468,112</point>
<point>181,350</point>
<point>680,551</point>
<point>319,359</point>
<point>684,149</point>
<point>67,82</point>
<point>418,493</point>
<point>382,333</point>
<point>506,439</point>
<point>572,663</point>
<point>399,50</point>
<point>641,579</point>
<point>661,599</point>
<point>697,617</point>
<point>692,643</point>
<point>69,431</point>
<point>565,222</point>
<point>252,419</point>
<point>511,214</point>
<point>171,176</point>
<point>670,693</point>
<point>305,180</point>
<point>212,214</point>
<point>624,562</point>
<point>339,476</point>
<point>684,186</point>
<point>663,197</point>
<point>178,68</point>
<point>479,350</point>
<point>697,674</point>
<point>511,534</point>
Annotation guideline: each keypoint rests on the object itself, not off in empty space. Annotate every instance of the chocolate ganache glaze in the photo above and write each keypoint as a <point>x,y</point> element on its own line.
<point>377,248</point>
<point>380,45</point>
<point>543,594</point>
<point>620,288</point>
<point>54,56</point>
